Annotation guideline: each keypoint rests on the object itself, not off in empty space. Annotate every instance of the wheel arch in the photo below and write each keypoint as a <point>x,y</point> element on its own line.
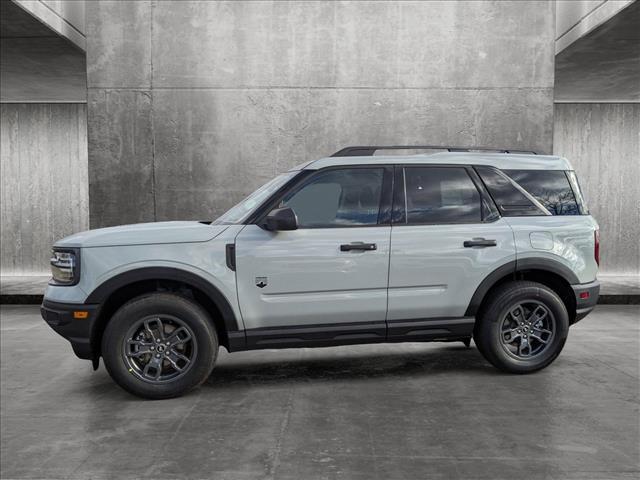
<point>116,291</point>
<point>550,273</point>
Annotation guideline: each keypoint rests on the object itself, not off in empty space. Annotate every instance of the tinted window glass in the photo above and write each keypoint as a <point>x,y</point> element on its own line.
<point>441,195</point>
<point>550,187</point>
<point>337,198</point>
<point>510,200</point>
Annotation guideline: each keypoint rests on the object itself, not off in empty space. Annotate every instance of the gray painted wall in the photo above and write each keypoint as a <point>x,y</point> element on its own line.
<point>194,104</point>
<point>43,176</point>
<point>603,143</point>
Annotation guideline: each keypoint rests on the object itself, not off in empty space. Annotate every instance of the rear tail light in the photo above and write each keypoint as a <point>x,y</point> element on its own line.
<point>596,246</point>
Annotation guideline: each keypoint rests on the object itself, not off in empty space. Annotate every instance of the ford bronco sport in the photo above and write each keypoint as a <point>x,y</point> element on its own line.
<point>494,245</point>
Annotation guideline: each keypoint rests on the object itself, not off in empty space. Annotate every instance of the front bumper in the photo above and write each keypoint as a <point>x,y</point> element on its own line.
<point>66,320</point>
<point>586,298</point>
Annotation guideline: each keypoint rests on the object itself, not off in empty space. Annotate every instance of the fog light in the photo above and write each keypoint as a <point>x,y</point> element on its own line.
<point>584,295</point>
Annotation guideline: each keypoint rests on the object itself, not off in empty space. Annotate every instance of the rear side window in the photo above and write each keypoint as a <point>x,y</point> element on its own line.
<point>550,187</point>
<point>510,201</point>
<point>438,195</point>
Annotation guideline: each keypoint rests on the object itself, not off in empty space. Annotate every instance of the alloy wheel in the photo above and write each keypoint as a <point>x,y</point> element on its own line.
<point>159,348</point>
<point>527,329</point>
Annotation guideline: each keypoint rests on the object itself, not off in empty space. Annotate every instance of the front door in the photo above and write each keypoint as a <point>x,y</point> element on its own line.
<point>329,275</point>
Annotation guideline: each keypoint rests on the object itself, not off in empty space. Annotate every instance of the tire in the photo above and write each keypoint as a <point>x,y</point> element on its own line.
<point>160,345</point>
<point>503,332</point>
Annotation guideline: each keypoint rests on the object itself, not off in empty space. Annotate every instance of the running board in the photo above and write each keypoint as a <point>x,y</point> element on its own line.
<point>329,335</point>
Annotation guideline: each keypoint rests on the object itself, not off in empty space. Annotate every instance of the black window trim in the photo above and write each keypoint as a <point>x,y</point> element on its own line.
<point>399,209</point>
<point>392,197</point>
<point>384,213</point>
<point>486,198</point>
<point>514,211</point>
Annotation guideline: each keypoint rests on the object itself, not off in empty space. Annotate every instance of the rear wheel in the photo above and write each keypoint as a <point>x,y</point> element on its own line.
<point>522,328</point>
<point>159,346</point>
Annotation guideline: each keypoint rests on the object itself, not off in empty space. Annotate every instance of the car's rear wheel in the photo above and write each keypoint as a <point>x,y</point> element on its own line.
<point>522,327</point>
<point>159,345</point>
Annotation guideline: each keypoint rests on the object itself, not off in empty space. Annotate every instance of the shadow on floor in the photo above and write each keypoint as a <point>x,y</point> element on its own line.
<point>282,368</point>
<point>369,365</point>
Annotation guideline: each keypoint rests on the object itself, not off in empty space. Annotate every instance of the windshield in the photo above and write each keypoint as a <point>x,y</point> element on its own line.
<point>242,210</point>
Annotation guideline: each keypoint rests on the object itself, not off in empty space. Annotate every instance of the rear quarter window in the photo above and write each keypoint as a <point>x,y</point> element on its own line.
<point>550,187</point>
<point>509,199</point>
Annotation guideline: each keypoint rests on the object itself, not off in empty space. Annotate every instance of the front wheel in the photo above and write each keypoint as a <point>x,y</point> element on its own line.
<point>159,345</point>
<point>522,328</point>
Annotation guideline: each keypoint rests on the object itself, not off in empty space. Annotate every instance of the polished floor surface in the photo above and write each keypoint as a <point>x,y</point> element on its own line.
<point>404,411</point>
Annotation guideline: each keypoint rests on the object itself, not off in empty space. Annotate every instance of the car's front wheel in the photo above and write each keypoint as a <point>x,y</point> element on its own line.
<point>159,345</point>
<point>522,328</point>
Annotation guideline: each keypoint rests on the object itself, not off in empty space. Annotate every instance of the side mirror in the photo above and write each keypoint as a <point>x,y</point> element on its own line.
<point>281,219</point>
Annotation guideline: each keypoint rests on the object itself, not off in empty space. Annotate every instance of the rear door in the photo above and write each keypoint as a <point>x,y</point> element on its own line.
<point>447,236</point>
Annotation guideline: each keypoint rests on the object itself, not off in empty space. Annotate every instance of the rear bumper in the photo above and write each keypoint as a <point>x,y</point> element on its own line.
<point>586,295</point>
<point>60,317</point>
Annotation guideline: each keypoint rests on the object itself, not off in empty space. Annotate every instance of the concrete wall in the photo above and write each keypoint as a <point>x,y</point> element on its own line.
<point>193,104</point>
<point>44,193</point>
<point>603,143</point>
<point>43,93</point>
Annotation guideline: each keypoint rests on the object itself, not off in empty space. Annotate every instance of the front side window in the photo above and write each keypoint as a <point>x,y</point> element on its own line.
<point>550,187</point>
<point>338,198</point>
<point>439,195</point>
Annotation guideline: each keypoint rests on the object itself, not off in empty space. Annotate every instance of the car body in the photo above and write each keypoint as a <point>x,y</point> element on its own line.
<point>347,250</point>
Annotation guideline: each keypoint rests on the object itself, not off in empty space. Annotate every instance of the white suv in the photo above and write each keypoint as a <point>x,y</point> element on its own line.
<point>355,248</point>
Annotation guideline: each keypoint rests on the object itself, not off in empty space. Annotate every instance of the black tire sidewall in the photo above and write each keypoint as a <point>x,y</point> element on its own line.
<point>491,321</point>
<point>154,304</point>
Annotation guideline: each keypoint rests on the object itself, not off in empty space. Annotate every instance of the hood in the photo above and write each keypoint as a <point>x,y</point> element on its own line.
<point>144,234</point>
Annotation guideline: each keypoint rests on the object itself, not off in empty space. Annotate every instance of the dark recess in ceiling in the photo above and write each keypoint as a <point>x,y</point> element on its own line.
<point>37,64</point>
<point>604,65</point>
<point>17,23</point>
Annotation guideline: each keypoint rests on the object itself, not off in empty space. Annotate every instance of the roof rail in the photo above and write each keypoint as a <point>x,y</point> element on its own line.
<point>368,151</point>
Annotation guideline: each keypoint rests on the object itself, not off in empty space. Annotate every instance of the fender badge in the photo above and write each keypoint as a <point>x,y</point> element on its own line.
<point>261,282</point>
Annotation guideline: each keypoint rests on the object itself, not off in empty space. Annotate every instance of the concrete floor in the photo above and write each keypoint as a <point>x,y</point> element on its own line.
<point>406,411</point>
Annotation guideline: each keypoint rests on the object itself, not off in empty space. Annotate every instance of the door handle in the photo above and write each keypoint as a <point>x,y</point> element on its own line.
<point>346,247</point>
<point>479,242</point>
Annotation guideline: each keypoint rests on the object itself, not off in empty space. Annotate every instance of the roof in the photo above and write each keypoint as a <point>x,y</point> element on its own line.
<point>500,160</point>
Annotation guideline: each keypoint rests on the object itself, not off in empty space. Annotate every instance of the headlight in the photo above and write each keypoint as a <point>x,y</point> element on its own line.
<point>65,266</point>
